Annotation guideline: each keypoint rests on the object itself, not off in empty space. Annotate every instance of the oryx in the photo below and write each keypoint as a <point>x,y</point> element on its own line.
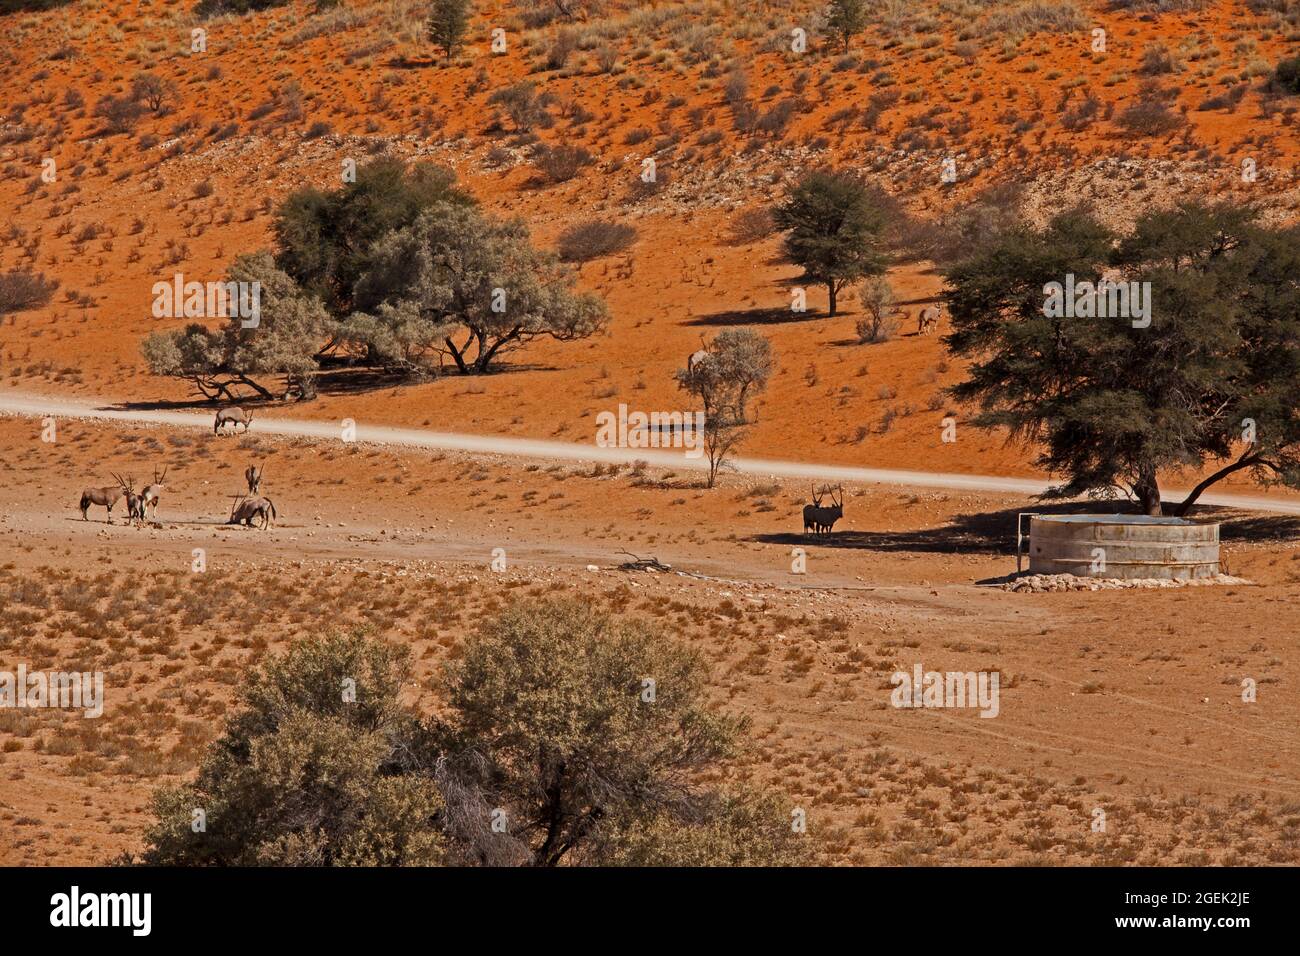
<point>100,496</point>
<point>819,519</point>
<point>246,510</point>
<point>232,416</point>
<point>153,492</point>
<point>253,475</point>
<point>928,319</point>
<point>134,502</point>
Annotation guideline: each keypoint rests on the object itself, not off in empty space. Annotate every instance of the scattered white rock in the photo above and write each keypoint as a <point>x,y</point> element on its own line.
<point>1038,583</point>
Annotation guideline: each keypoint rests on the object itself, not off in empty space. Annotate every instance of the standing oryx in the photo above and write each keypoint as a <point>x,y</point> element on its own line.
<point>107,497</point>
<point>153,492</point>
<point>819,519</point>
<point>232,416</point>
<point>928,319</point>
<point>253,475</point>
<point>245,510</point>
<point>134,502</point>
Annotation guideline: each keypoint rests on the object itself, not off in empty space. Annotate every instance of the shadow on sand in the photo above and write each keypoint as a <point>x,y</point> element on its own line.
<point>333,382</point>
<point>994,532</point>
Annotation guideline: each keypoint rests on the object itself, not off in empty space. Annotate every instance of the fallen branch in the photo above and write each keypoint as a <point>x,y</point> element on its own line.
<point>639,563</point>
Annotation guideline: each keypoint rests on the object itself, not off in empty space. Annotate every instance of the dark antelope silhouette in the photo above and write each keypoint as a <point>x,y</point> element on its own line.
<point>232,416</point>
<point>819,519</point>
<point>134,502</point>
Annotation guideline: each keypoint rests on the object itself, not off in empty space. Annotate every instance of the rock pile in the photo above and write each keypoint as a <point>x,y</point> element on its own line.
<point>1072,582</point>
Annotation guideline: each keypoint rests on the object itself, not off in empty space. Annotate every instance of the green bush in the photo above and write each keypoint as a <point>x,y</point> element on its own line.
<point>305,776</point>
<point>1287,75</point>
<point>553,751</point>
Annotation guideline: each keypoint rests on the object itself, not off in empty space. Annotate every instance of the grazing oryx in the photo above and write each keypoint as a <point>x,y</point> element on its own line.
<point>928,319</point>
<point>100,496</point>
<point>134,502</point>
<point>153,492</point>
<point>245,510</point>
<point>819,519</point>
<point>232,416</point>
<point>253,475</point>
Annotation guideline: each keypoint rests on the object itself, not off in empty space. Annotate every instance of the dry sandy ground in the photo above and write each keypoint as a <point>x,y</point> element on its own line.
<point>189,189</point>
<point>1125,701</point>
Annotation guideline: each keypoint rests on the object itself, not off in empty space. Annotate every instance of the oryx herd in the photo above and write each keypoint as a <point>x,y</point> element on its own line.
<point>142,506</point>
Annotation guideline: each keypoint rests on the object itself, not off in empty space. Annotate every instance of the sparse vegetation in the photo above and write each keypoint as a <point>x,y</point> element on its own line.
<point>877,298</point>
<point>22,290</point>
<point>733,368</point>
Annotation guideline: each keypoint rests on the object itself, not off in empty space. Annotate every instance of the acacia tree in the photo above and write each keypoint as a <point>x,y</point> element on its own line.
<point>304,776</point>
<point>733,368</point>
<point>587,737</point>
<point>846,19</point>
<point>291,325</point>
<point>448,20</point>
<point>477,283</point>
<point>591,734</point>
<point>323,239</point>
<point>1212,382</point>
<point>153,90</point>
<point>833,230</point>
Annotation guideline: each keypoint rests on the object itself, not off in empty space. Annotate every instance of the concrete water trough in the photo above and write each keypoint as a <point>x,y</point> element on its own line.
<point>1119,546</point>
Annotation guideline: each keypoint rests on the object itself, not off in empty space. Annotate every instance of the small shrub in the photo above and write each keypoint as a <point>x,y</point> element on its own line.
<point>1157,59</point>
<point>24,290</point>
<point>752,225</point>
<point>1150,118</point>
<point>119,114</point>
<point>561,163</point>
<point>1287,75</point>
<point>593,239</point>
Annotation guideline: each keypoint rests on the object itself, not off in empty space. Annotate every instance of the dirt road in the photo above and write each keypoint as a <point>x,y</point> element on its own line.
<point>35,406</point>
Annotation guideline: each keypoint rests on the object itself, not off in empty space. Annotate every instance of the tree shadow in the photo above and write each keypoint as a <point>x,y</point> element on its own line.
<point>768,316</point>
<point>994,532</point>
<point>400,62</point>
<point>30,6</point>
<point>341,380</point>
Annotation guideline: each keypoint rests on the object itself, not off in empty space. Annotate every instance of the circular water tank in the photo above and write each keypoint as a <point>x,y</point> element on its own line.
<point>1123,546</point>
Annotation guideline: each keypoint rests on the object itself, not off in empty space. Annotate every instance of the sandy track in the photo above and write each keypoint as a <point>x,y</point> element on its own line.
<point>35,406</point>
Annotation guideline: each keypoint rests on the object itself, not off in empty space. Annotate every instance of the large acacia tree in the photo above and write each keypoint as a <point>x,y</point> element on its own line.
<point>323,238</point>
<point>219,361</point>
<point>1211,384</point>
<point>834,227</point>
<point>475,284</point>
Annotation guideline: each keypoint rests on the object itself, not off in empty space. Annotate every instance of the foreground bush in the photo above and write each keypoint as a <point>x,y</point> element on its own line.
<point>569,738</point>
<point>304,777</point>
